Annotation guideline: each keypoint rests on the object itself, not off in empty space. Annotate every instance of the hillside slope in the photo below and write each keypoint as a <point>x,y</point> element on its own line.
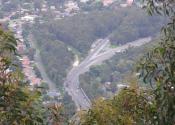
<point>60,40</point>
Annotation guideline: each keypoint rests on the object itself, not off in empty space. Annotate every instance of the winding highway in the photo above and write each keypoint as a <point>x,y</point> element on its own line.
<point>100,53</point>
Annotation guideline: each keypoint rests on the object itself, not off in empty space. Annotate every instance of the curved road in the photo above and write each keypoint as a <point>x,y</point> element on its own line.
<point>98,55</point>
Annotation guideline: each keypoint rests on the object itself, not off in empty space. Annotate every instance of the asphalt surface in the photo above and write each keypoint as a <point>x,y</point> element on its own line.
<point>100,53</point>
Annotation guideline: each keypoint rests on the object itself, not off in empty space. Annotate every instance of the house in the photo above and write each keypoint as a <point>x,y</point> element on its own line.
<point>129,2</point>
<point>35,81</point>
<point>121,86</point>
<point>71,6</point>
<point>52,7</point>
<point>28,18</point>
<point>123,5</point>
<point>84,1</point>
<point>107,2</point>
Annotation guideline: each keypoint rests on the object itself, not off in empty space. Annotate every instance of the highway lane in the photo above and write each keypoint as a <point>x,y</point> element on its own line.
<point>75,70</point>
<point>103,43</point>
<point>111,52</point>
<point>72,81</point>
<point>95,57</point>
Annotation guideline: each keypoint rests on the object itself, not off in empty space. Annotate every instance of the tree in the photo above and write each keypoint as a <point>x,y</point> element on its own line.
<point>8,43</point>
<point>18,104</point>
<point>21,104</point>
<point>129,107</point>
<point>158,66</point>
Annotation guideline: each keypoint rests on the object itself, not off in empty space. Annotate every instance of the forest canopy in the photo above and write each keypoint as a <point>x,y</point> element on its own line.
<point>78,32</point>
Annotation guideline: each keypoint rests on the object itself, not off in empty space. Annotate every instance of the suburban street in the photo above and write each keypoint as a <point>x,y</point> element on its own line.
<point>99,54</point>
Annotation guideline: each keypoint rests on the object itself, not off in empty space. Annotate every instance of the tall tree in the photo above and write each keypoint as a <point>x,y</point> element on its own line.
<point>158,66</point>
<point>18,104</point>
